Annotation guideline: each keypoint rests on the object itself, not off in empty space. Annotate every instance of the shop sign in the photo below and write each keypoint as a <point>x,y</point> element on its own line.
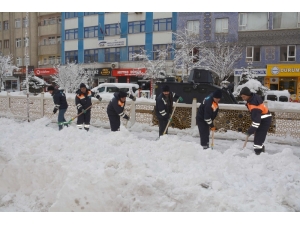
<point>283,70</point>
<point>128,72</point>
<point>45,71</point>
<point>257,72</point>
<point>112,43</point>
<point>22,70</point>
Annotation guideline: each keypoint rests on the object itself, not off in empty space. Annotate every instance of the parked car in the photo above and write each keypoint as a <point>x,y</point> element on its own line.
<point>111,88</point>
<point>280,96</point>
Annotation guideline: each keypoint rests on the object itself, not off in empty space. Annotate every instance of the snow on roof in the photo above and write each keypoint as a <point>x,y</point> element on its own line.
<point>278,93</point>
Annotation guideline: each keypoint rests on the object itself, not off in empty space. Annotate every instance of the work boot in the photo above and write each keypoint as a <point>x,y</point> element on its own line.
<point>258,151</point>
<point>263,149</point>
<point>87,129</point>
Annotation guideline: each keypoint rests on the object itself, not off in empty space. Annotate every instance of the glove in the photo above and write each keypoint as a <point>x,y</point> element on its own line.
<point>100,99</point>
<point>54,110</point>
<point>170,120</point>
<point>83,110</point>
<point>213,128</point>
<point>133,98</point>
<point>180,99</point>
<point>128,118</point>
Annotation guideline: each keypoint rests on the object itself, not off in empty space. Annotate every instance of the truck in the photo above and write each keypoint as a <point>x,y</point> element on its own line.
<point>199,85</point>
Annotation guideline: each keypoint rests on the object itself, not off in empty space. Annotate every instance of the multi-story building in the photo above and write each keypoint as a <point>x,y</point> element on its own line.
<point>106,41</point>
<point>270,39</point>
<point>49,43</point>
<point>12,41</point>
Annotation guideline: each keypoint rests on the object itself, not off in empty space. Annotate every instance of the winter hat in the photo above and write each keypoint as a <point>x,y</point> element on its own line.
<point>165,88</point>
<point>50,88</point>
<point>217,94</point>
<point>122,94</point>
<point>82,85</point>
<point>245,91</point>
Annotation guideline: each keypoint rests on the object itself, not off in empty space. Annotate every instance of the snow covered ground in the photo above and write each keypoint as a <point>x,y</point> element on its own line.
<point>43,169</point>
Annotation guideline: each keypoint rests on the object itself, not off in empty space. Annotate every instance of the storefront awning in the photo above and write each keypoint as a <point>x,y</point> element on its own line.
<point>44,71</point>
<point>128,72</point>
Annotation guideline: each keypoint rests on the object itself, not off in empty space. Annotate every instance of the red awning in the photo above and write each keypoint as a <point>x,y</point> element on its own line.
<point>44,71</point>
<point>128,72</point>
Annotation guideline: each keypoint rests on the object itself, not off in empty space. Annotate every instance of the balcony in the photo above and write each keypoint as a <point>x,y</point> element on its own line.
<point>53,49</point>
<point>50,29</point>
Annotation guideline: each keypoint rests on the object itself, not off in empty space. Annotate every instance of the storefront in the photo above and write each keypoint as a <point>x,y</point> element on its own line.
<point>14,83</point>
<point>100,75</point>
<point>45,74</point>
<point>259,73</point>
<point>284,77</point>
<point>129,75</point>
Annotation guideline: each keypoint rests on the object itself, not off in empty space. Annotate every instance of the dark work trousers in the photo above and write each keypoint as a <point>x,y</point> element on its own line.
<point>204,132</point>
<point>84,118</point>
<point>162,126</point>
<point>261,133</point>
<point>61,118</point>
<point>115,122</point>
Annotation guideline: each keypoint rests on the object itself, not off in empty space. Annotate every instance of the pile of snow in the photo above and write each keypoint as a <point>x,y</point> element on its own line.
<point>44,169</point>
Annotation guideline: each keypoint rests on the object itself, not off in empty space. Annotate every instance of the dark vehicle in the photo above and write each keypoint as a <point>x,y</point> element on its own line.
<point>199,85</point>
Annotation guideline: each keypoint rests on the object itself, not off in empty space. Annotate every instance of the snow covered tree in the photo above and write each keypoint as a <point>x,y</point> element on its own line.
<point>221,57</point>
<point>35,83</point>
<point>6,66</point>
<point>69,76</point>
<point>155,69</point>
<point>249,79</point>
<point>188,52</point>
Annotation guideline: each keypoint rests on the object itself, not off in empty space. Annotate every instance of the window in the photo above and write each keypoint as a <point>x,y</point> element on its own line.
<point>18,42</point>
<point>45,61</point>
<point>58,59</point>
<point>5,25</point>
<point>26,41</point>
<point>90,55</point>
<point>6,43</point>
<point>222,25</point>
<point>253,21</point>
<point>112,29</point>
<point>51,40</point>
<point>71,56</point>
<point>19,61</point>
<point>69,15</point>
<point>25,23</point>
<point>26,61</point>
<point>252,53</point>
<point>58,38</point>
<point>136,27</point>
<point>193,26</point>
<point>135,49</point>
<point>51,60</point>
<point>162,24</point>
<point>161,47</point>
<point>283,20</point>
<point>90,13</point>
<point>52,20</point>
<point>71,34</point>
<point>59,19</point>
<point>91,32</point>
<point>288,53</point>
<point>112,54</point>
<point>17,23</point>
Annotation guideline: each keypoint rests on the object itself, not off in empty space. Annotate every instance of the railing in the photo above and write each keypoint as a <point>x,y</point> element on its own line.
<point>231,117</point>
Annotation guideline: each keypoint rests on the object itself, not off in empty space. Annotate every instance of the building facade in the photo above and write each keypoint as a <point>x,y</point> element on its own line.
<point>271,41</point>
<point>106,41</point>
<point>13,40</point>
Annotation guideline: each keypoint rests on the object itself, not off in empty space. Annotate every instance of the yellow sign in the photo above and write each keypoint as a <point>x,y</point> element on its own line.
<point>283,70</point>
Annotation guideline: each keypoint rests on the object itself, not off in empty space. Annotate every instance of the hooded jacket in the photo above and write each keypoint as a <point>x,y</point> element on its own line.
<point>208,110</point>
<point>84,100</point>
<point>258,112</point>
<point>116,107</point>
<point>59,99</point>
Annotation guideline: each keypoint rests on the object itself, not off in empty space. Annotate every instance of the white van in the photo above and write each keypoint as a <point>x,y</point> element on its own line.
<point>280,96</point>
<point>111,88</point>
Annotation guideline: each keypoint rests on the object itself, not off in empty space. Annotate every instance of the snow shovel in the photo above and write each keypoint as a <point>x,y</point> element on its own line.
<point>170,118</point>
<point>69,122</point>
<point>212,139</point>
<point>246,141</point>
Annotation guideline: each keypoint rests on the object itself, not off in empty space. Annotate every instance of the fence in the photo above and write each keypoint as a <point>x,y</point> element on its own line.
<point>235,117</point>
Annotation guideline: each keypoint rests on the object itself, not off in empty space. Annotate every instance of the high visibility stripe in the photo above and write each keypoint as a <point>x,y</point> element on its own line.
<point>162,111</point>
<point>164,101</point>
<point>79,126</point>
<point>121,114</point>
<point>208,121</point>
<point>255,126</point>
<point>57,106</point>
<point>173,95</point>
<point>79,105</point>
<point>262,107</point>
<point>86,125</point>
<point>266,115</point>
<point>258,146</point>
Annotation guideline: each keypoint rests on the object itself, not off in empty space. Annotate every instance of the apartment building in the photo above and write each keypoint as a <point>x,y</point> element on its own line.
<point>270,39</point>
<point>13,40</point>
<point>104,42</point>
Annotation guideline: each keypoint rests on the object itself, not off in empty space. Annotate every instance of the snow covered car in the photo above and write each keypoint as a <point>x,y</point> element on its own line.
<point>280,96</point>
<point>110,88</point>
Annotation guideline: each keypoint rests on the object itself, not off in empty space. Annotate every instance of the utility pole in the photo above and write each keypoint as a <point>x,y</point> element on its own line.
<point>26,63</point>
